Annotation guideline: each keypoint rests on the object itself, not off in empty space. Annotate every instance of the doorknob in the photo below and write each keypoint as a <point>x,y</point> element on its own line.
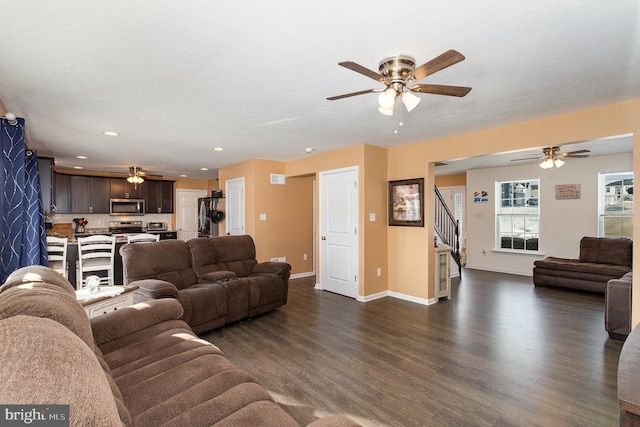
<point>324,237</point>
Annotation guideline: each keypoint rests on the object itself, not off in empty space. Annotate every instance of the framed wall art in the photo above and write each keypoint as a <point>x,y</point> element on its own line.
<point>406,202</point>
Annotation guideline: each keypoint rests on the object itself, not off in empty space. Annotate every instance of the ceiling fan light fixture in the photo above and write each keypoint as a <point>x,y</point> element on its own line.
<point>410,101</point>
<point>386,111</point>
<point>135,176</point>
<point>558,162</point>
<point>387,99</point>
<point>546,163</point>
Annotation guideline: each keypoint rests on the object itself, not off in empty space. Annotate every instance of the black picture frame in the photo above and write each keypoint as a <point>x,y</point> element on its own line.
<point>406,202</point>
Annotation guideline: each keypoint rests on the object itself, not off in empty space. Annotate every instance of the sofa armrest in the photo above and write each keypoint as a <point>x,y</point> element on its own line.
<point>128,320</point>
<point>280,268</point>
<point>617,307</point>
<point>151,289</point>
<point>214,276</point>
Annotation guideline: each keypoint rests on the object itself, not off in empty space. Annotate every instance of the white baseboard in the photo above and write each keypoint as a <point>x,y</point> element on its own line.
<point>397,295</point>
<point>500,270</point>
<point>300,275</point>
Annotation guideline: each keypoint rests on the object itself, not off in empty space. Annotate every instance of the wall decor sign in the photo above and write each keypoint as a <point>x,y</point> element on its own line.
<point>567,191</point>
<point>406,202</point>
<point>480,196</point>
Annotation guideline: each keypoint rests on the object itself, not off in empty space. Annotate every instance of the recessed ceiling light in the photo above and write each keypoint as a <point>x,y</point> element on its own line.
<point>77,167</point>
<point>111,133</point>
<point>81,157</point>
<point>218,149</point>
<point>204,169</point>
<point>183,176</point>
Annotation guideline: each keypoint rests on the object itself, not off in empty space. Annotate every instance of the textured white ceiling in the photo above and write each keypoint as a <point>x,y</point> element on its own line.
<point>177,78</point>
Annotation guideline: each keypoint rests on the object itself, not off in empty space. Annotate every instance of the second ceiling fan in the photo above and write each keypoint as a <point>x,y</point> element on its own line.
<point>398,75</point>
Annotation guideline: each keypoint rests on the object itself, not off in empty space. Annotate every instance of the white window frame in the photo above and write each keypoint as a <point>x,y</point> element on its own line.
<point>518,215</point>
<point>615,204</point>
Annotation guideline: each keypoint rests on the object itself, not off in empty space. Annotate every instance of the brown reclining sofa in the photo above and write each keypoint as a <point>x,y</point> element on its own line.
<point>601,259</point>
<point>138,366</point>
<point>216,280</point>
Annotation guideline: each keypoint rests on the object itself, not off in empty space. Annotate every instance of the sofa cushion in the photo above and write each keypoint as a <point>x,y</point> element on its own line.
<point>50,301</point>
<point>606,250</point>
<point>224,253</point>
<point>45,363</point>
<point>168,260</point>
<point>574,265</point>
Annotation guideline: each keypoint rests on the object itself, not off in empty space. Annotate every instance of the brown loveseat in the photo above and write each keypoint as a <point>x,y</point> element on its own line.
<point>138,366</point>
<point>216,280</point>
<point>601,259</point>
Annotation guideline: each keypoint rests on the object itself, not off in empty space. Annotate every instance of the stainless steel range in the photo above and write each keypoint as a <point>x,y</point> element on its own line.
<point>125,227</point>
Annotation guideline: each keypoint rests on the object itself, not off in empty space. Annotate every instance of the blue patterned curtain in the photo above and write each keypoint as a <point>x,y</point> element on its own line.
<point>23,240</point>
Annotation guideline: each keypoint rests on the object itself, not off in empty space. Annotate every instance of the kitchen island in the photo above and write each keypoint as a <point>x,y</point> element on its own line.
<point>121,239</point>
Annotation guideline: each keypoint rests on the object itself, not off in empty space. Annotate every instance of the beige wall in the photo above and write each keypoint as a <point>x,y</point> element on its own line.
<point>451,180</point>
<point>288,228</point>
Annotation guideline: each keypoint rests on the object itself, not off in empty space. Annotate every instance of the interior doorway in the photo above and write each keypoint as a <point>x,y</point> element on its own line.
<point>187,213</point>
<point>455,197</point>
<point>338,220</point>
<point>234,206</point>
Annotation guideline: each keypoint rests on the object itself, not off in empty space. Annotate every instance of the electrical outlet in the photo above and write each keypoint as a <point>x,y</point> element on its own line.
<point>379,272</point>
<point>304,257</point>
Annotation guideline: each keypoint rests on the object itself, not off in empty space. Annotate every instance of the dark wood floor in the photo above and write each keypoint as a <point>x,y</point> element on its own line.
<point>499,353</point>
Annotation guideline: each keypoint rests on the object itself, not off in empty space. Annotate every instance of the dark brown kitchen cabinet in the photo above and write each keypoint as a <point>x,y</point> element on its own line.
<point>61,193</point>
<point>159,196</point>
<point>123,189</point>
<point>90,194</point>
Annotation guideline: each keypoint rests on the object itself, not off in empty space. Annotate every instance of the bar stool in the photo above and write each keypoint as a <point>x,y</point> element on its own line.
<point>57,254</point>
<point>95,254</point>
<point>143,238</point>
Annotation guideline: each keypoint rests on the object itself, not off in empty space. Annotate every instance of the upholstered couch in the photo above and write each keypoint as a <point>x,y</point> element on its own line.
<point>217,280</point>
<point>601,259</point>
<point>138,366</point>
<point>617,307</point>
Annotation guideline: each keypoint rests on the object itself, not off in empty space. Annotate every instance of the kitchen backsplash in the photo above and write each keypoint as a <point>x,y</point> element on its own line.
<point>103,220</point>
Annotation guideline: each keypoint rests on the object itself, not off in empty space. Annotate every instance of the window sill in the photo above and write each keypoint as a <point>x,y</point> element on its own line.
<point>519,252</point>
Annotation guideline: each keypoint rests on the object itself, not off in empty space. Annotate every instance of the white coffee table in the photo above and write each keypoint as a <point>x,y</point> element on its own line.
<point>108,299</point>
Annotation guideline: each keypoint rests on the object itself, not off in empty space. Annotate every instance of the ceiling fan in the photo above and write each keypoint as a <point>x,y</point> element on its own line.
<point>398,75</point>
<point>553,157</point>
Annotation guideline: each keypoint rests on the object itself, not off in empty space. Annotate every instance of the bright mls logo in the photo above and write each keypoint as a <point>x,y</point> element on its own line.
<point>34,415</point>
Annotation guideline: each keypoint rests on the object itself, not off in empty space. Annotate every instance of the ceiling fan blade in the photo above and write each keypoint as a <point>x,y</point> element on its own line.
<point>347,95</point>
<point>441,62</point>
<point>441,90</point>
<point>573,153</point>
<point>362,70</point>
<point>576,156</point>
<point>529,158</point>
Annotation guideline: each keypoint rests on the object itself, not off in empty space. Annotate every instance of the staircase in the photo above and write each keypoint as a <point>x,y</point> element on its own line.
<point>447,228</point>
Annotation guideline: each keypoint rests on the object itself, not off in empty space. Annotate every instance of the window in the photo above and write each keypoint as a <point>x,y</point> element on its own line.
<point>615,204</point>
<point>518,214</point>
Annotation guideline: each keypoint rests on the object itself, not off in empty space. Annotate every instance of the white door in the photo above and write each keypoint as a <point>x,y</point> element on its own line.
<point>187,213</point>
<point>339,231</point>
<point>234,207</point>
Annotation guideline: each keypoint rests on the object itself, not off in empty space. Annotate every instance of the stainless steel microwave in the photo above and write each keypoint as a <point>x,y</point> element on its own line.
<point>126,207</point>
